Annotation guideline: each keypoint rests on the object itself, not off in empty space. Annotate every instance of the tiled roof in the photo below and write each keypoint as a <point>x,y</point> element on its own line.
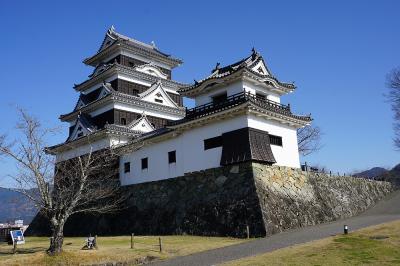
<point>86,121</point>
<point>93,96</point>
<point>247,64</point>
<point>116,96</point>
<point>112,37</point>
<point>119,68</point>
<point>95,134</point>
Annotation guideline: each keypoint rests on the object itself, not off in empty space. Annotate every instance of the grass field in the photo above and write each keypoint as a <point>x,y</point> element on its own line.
<point>110,249</point>
<point>376,245</point>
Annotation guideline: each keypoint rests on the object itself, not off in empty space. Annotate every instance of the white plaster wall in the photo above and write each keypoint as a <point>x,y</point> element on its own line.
<point>274,97</point>
<point>288,154</point>
<point>253,88</point>
<point>190,153</point>
<point>230,89</point>
<point>237,87</point>
<point>94,146</point>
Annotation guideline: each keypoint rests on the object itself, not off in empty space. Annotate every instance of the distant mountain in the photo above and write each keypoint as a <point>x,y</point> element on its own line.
<point>372,173</point>
<point>14,206</point>
<point>392,176</point>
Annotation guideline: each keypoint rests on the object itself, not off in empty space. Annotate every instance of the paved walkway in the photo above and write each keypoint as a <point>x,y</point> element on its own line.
<point>385,211</point>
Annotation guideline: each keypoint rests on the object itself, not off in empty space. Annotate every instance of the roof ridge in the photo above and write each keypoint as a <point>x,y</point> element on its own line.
<point>117,35</point>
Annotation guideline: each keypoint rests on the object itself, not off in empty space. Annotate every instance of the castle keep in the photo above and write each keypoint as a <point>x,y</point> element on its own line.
<point>229,162</point>
<point>130,100</point>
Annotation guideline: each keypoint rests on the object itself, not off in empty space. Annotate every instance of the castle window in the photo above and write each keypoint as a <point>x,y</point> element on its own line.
<point>145,163</point>
<point>127,167</point>
<point>172,157</point>
<point>123,121</point>
<point>212,143</point>
<point>220,98</point>
<point>158,100</point>
<point>275,140</point>
<point>260,96</point>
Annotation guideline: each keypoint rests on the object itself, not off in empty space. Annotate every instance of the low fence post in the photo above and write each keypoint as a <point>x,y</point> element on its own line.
<point>345,229</point>
<point>248,232</point>
<point>160,242</point>
<point>95,242</point>
<point>132,243</point>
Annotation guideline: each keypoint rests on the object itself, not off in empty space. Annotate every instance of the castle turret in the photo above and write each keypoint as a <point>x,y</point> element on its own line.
<point>130,83</point>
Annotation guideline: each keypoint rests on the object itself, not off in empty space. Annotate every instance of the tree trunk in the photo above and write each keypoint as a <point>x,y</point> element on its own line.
<point>57,237</point>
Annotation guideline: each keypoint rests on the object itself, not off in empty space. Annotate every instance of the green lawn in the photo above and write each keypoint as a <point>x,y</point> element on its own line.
<point>376,245</point>
<point>111,249</point>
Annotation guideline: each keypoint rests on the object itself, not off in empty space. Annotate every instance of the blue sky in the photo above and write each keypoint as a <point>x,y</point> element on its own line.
<point>337,52</point>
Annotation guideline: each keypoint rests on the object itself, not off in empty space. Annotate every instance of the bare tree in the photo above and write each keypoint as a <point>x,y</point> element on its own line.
<point>309,139</point>
<point>86,183</point>
<point>393,83</point>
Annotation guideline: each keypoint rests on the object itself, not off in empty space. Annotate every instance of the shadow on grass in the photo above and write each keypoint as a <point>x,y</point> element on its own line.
<point>5,252</point>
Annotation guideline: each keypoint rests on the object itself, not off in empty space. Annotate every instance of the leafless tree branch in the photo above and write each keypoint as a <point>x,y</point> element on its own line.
<point>86,183</point>
<point>393,83</point>
<point>309,140</point>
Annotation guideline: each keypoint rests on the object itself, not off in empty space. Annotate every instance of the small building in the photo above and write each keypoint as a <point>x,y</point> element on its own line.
<point>130,100</point>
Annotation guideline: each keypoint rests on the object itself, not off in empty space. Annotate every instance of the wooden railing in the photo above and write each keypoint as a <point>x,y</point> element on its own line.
<point>229,102</point>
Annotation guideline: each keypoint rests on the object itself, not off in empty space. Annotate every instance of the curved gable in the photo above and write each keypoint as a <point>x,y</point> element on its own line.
<point>151,70</point>
<point>142,124</point>
<point>157,94</point>
<point>82,128</point>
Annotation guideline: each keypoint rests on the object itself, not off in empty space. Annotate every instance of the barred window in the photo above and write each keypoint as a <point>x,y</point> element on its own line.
<point>145,163</point>
<point>127,167</point>
<point>275,140</point>
<point>172,157</point>
<point>212,143</point>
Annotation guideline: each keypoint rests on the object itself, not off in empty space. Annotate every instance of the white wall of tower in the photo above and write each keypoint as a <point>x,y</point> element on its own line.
<point>190,153</point>
<point>237,87</point>
<point>90,147</point>
<point>288,153</point>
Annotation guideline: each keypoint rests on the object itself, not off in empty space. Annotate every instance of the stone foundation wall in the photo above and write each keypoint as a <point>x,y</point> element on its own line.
<point>219,201</point>
<point>222,201</point>
<point>291,198</point>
